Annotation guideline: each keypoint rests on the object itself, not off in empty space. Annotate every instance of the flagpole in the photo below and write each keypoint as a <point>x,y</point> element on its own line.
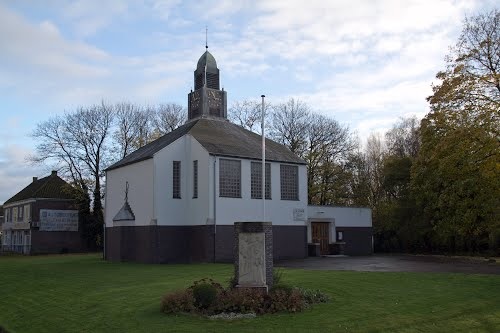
<point>263,164</point>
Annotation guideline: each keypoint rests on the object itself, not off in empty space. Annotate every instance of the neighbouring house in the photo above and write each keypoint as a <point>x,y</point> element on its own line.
<point>177,198</point>
<point>42,218</point>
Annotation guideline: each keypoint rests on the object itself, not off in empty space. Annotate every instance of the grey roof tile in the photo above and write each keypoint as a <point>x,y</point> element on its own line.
<point>52,187</point>
<point>218,137</point>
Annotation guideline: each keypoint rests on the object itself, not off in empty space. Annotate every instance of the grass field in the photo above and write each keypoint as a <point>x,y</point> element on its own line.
<point>82,293</point>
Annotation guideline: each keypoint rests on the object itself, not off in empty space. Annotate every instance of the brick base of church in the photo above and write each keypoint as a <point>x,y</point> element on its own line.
<point>186,244</point>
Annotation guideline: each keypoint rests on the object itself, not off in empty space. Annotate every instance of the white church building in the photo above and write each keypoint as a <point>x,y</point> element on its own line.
<point>177,198</point>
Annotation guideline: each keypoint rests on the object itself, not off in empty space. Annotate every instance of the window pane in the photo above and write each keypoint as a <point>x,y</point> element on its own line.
<point>195,179</point>
<point>256,180</point>
<point>289,181</point>
<point>230,178</point>
<point>176,180</point>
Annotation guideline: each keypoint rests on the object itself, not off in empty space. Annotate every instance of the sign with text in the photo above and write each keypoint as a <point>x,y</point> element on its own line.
<point>58,220</point>
<point>299,214</point>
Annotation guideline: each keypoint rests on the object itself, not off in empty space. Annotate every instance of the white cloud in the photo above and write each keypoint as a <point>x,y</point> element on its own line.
<point>90,16</point>
<point>15,173</point>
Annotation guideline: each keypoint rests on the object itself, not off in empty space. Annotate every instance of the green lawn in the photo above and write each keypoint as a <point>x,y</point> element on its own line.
<point>82,293</point>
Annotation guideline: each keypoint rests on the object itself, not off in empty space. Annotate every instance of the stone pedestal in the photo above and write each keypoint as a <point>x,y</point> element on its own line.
<point>253,259</point>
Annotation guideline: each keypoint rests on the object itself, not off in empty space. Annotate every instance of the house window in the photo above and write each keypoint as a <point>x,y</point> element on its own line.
<point>7,215</point>
<point>176,180</point>
<point>230,178</point>
<point>20,211</point>
<point>256,180</point>
<point>340,236</point>
<point>289,181</point>
<point>27,213</point>
<point>195,179</point>
<point>14,214</point>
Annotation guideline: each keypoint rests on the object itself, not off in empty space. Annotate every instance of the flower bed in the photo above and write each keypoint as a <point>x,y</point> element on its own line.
<point>207,297</point>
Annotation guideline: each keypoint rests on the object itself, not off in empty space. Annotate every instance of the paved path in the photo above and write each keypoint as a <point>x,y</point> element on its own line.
<point>395,263</point>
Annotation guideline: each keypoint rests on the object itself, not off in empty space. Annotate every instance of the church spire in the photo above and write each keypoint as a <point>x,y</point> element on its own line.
<point>207,99</point>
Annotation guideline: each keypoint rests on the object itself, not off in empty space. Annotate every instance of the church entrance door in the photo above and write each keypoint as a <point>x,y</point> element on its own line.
<point>321,235</point>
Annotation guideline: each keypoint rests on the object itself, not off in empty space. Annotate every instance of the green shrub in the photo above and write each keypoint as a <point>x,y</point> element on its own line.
<point>178,301</point>
<point>277,276</point>
<point>208,297</point>
<point>283,300</point>
<point>233,282</point>
<point>204,295</point>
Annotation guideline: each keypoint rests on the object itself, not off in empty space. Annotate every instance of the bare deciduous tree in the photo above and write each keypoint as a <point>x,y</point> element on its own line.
<point>403,138</point>
<point>168,117</point>
<point>288,124</point>
<point>77,143</point>
<point>129,118</point>
<point>248,114</point>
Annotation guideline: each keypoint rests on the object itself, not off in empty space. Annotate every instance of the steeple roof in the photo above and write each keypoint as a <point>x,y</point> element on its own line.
<point>207,59</point>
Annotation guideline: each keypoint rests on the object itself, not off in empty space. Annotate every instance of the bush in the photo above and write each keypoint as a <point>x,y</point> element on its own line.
<point>314,296</point>
<point>178,301</point>
<point>277,276</point>
<point>289,300</point>
<point>208,297</point>
<point>248,300</point>
<point>204,293</point>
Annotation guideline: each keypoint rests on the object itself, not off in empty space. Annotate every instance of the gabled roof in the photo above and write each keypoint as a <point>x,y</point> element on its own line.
<point>50,187</point>
<point>219,137</point>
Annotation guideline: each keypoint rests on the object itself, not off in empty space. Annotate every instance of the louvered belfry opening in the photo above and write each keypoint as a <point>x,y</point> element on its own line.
<point>198,81</point>
<point>212,80</point>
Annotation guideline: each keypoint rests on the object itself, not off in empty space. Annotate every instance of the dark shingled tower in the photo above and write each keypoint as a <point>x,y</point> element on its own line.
<point>207,100</point>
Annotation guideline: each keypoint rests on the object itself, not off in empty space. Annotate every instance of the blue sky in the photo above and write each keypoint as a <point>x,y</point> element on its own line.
<point>365,63</point>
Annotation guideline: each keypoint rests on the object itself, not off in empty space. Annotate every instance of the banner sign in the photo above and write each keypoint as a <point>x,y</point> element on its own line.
<point>58,220</point>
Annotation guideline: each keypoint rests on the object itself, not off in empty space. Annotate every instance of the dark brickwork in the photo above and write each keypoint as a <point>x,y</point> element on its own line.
<point>290,242</point>
<point>358,240</point>
<point>55,241</point>
<point>256,227</point>
<point>184,244</point>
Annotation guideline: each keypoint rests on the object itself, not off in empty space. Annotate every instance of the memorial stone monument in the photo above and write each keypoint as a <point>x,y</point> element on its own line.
<point>253,257</point>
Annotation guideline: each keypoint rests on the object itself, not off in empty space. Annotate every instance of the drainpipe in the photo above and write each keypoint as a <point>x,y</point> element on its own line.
<point>215,205</point>
<point>104,227</point>
<point>263,165</point>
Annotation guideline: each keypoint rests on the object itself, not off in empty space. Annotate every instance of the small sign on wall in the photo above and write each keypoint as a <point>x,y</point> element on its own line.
<point>299,214</point>
<point>58,220</point>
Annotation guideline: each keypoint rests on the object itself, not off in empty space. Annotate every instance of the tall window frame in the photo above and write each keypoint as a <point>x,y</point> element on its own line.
<point>229,178</point>
<point>256,180</point>
<point>195,179</point>
<point>289,182</point>
<point>176,179</point>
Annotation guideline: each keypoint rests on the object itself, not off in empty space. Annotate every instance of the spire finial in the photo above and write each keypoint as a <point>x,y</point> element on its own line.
<point>206,37</point>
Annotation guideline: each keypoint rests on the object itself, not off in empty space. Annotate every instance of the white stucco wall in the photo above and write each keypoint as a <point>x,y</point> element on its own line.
<point>245,209</point>
<point>186,210</point>
<point>343,216</point>
<point>155,176</point>
<point>140,195</point>
<point>338,217</point>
